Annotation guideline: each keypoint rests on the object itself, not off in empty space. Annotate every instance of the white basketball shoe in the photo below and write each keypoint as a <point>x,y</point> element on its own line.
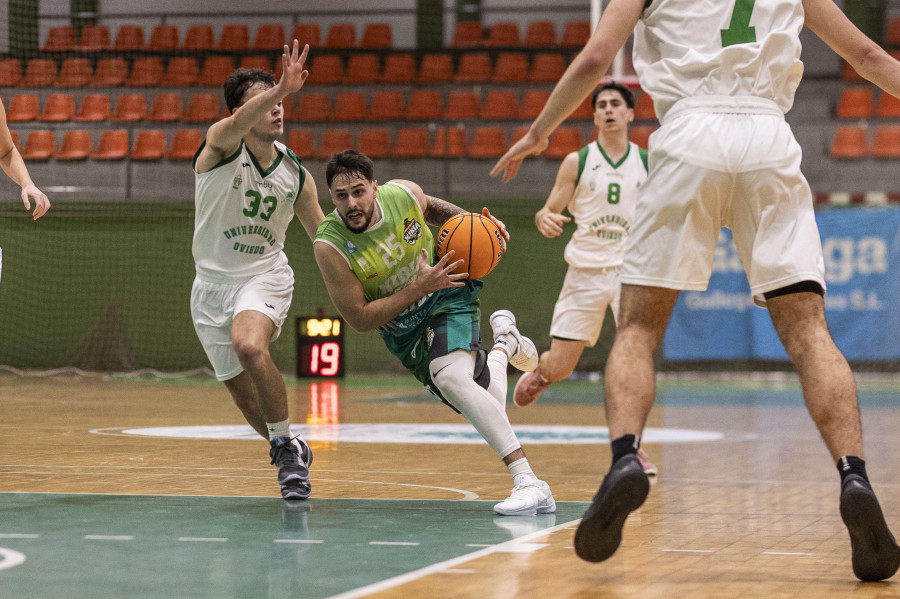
<point>521,350</point>
<point>529,497</point>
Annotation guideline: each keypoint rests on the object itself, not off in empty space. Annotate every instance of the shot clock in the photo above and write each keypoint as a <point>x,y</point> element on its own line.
<point>320,347</point>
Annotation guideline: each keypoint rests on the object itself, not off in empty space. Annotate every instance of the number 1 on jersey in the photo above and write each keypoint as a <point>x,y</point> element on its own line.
<point>739,30</point>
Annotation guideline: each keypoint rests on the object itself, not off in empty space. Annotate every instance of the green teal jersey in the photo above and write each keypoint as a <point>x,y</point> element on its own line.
<point>385,259</point>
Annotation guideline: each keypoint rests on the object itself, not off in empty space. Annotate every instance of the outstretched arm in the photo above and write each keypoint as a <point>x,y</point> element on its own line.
<point>869,59</point>
<point>347,295</point>
<point>576,84</point>
<point>549,220</point>
<point>12,164</point>
<point>307,208</point>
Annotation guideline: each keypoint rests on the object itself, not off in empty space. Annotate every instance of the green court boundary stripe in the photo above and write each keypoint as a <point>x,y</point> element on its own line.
<point>440,566</point>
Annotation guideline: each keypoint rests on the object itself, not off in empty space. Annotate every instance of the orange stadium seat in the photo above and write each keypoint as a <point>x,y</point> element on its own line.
<point>113,145</point>
<point>462,105</point>
<point>892,35</point>
<point>363,68</point>
<point>74,72</point>
<point>532,103</point>
<point>199,37</point>
<point>377,35</point>
<point>185,143</point>
<point>375,142</point>
<point>849,74</point>
<point>39,145</point>
<point>76,144</point>
<point>313,108</point>
<point>145,72</point>
<point>341,35</point>
<point>333,141</point>
<point>435,68</point>
<point>399,68</point>
<point>302,142</point>
<point>23,108</point>
<point>110,72</point>
<point>256,62</point>
<point>95,108</point>
<point>235,36</point>
<point>163,37</point>
<point>540,34</point>
<point>503,34</point>
<point>215,70</point>
<point>130,108</point>
<point>499,104</point>
<point>10,72</point>
<point>166,108</point>
<point>467,34</point>
<point>150,144</point>
<point>888,106</point>
<point>307,34</point>
<point>269,36</point>
<point>511,67</point>
<point>576,34</point>
<point>424,105</point>
<point>40,72</point>
<point>855,103</point>
<point>326,69</point>
<point>473,67</point>
<point>488,142</point>
<point>564,141</point>
<point>411,142</point>
<point>181,71</point>
<point>349,106</point>
<point>386,106</point>
<point>129,38</point>
<point>886,143</point>
<point>643,108</point>
<point>449,142</point>
<point>58,108</point>
<point>547,67</point>
<point>202,107</point>
<point>640,134</point>
<point>59,39</point>
<point>849,142</point>
<point>94,38</point>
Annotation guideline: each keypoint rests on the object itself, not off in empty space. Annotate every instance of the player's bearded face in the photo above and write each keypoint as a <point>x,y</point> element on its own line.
<point>354,198</point>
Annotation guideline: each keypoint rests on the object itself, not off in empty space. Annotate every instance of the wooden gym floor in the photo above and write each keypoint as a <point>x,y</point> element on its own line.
<point>138,488</point>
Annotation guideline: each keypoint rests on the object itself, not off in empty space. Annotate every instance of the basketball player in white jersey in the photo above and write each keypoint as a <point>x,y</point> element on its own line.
<point>249,187</point>
<point>12,164</point>
<point>722,75</point>
<point>598,186</point>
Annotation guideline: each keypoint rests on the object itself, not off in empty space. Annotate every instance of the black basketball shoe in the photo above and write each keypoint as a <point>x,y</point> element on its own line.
<point>293,471</point>
<point>874,550</point>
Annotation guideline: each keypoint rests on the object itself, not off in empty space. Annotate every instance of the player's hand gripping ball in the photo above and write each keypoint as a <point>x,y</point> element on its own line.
<point>475,239</point>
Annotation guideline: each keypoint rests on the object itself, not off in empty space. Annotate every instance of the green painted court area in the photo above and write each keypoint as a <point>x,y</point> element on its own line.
<point>90,546</point>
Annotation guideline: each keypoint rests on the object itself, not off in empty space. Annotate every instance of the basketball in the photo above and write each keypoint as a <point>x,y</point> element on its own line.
<point>475,239</point>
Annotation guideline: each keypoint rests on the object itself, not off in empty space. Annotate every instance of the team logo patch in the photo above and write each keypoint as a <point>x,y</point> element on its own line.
<point>412,230</point>
<point>351,249</point>
<point>237,182</point>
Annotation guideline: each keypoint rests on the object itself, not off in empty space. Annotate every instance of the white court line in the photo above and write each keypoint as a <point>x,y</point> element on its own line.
<point>397,543</point>
<point>458,571</point>
<point>13,535</point>
<point>108,537</point>
<point>10,558</point>
<point>203,539</point>
<point>784,553</point>
<point>303,541</point>
<point>442,566</point>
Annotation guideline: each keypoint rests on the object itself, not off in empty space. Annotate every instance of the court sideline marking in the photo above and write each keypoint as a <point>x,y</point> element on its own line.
<point>450,563</point>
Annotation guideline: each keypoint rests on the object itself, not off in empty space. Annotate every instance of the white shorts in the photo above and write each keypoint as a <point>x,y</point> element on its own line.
<point>214,305</point>
<point>582,303</point>
<point>716,162</point>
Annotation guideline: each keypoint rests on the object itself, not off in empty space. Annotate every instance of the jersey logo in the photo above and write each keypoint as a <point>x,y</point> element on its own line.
<point>237,182</point>
<point>412,230</point>
<point>245,164</point>
<point>351,249</point>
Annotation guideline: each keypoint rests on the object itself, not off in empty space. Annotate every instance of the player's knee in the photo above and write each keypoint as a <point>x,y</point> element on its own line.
<point>249,349</point>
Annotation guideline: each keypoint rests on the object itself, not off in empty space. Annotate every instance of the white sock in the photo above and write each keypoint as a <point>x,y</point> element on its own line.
<point>521,471</point>
<point>279,429</point>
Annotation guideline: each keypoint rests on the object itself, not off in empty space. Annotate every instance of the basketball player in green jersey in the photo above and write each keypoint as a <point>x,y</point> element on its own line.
<point>12,164</point>
<point>721,76</point>
<point>598,186</point>
<point>249,187</point>
<point>375,254</point>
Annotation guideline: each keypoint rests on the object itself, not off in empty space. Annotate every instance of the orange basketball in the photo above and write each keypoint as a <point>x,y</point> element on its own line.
<point>475,239</point>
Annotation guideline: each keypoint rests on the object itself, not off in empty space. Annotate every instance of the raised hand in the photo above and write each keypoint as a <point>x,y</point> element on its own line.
<point>293,74</point>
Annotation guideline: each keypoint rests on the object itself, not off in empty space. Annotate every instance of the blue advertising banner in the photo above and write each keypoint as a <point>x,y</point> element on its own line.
<point>862,272</point>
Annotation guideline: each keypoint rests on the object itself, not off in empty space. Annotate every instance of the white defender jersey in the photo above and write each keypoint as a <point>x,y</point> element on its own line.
<point>242,214</point>
<point>603,204</point>
<point>686,48</point>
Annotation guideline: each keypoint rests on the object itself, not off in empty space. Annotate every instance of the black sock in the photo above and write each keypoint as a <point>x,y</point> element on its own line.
<point>623,446</point>
<point>850,464</point>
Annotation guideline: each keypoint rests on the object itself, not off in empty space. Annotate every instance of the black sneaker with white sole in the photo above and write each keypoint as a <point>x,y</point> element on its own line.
<point>293,469</point>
